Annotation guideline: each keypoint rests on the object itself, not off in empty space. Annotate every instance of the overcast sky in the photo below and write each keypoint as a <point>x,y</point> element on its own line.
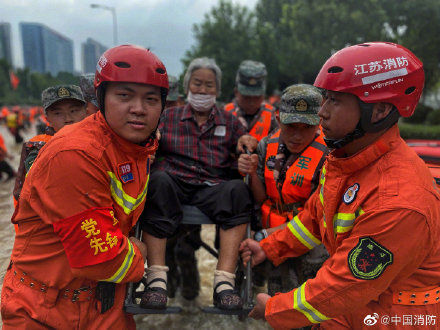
<point>163,25</point>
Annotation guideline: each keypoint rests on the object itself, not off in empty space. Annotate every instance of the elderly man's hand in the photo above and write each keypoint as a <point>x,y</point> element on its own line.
<point>251,250</point>
<point>260,308</point>
<point>247,141</point>
<point>247,164</point>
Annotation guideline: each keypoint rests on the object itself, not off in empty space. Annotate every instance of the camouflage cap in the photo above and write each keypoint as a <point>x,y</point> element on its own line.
<point>300,104</point>
<point>87,88</point>
<point>173,92</point>
<point>251,78</point>
<point>61,92</point>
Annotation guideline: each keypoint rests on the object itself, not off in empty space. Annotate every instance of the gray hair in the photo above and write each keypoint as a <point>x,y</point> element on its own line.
<point>203,63</point>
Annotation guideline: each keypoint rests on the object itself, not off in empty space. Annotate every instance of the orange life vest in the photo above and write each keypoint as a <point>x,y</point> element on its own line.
<point>297,186</point>
<point>261,127</point>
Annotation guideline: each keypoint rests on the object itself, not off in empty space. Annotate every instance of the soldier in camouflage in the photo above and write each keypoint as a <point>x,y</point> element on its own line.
<point>249,106</point>
<point>86,85</point>
<point>63,105</point>
<point>283,175</point>
<point>173,97</point>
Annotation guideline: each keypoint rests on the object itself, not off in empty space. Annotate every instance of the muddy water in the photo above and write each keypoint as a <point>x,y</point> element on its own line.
<point>190,318</point>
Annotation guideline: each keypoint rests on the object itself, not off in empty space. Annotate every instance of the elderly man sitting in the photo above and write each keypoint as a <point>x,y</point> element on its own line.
<point>192,167</point>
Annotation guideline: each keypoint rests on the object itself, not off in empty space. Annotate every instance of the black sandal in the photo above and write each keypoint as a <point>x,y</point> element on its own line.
<point>227,299</point>
<point>155,297</point>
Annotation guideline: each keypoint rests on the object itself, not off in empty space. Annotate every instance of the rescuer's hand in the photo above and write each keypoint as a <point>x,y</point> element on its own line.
<point>141,246</point>
<point>259,310</point>
<point>251,250</point>
<point>247,164</point>
<point>247,141</point>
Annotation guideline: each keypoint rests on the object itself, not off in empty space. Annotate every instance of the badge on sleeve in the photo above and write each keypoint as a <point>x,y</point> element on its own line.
<point>368,259</point>
<point>125,172</point>
<point>351,193</point>
<point>90,237</point>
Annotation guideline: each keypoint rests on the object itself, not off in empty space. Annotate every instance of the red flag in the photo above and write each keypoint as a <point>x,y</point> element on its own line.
<point>14,80</point>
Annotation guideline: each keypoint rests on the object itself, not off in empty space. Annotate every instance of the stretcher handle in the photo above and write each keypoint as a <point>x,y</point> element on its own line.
<point>248,294</point>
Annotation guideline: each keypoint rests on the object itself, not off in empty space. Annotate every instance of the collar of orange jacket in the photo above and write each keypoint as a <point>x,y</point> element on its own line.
<point>367,155</point>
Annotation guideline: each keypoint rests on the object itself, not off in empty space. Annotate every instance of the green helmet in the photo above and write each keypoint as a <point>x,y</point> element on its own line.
<point>54,94</point>
<point>251,78</point>
<point>173,92</point>
<point>300,103</point>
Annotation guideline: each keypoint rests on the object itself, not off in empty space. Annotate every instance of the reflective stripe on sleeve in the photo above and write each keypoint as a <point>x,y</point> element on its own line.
<point>322,181</point>
<point>343,222</point>
<point>302,233</point>
<point>125,266</point>
<point>300,304</point>
<point>124,200</point>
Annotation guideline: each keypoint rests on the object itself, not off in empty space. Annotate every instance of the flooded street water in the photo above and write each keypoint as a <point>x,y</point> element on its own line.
<point>191,316</point>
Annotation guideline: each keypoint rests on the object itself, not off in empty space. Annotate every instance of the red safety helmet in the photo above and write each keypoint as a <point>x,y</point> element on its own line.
<point>376,72</point>
<point>129,63</point>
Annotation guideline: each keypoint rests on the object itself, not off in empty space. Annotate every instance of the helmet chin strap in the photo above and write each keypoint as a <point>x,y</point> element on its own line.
<point>339,143</point>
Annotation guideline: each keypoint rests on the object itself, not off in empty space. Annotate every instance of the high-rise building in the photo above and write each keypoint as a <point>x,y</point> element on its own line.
<point>5,42</point>
<point>91,52</point>
<point>45,50</point>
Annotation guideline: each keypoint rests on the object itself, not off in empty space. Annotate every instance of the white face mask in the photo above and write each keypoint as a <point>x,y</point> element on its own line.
<point>201,102</point>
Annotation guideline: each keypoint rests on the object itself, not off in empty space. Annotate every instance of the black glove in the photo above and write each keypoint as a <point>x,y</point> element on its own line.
<point>105,293</point>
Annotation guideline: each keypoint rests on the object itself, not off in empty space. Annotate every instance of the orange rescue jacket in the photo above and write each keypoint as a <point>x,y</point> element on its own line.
<point>297,186</point>
<point>78,204</point>
<point>378,214</point>
<point>260,127</point>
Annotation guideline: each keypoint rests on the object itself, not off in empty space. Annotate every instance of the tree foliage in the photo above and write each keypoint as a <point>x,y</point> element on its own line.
<point>31,84</point>
<point>295,37</point>
<point>227,34</point>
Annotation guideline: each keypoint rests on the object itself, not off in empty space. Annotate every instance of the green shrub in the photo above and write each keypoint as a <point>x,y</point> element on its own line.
<point>419,131</point>
<point>433,117</point>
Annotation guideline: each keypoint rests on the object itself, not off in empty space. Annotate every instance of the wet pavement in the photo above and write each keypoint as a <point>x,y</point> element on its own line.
<point>191,316</point>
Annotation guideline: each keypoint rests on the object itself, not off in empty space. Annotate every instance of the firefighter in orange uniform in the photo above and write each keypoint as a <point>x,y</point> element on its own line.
<point>249,106</point>
<point>284,173</point>
<point>377,209</point>
<point>72,254</point>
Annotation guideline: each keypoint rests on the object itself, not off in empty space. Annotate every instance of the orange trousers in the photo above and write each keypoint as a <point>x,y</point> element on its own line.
<point>25,308</point>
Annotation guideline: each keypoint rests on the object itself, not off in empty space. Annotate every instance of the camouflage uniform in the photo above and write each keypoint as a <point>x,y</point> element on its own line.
<point>251,78</point>
<point>31,148</point>
<point>87,88</point>
<point>251,81</point>
<point>173,92</point>
<point>299,104</point>
<point>54,94</point>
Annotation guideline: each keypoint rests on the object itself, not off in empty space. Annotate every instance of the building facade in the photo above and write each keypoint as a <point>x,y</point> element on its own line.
<point>45,50</point>
<point>5,42</point>
<point>91,52</point>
